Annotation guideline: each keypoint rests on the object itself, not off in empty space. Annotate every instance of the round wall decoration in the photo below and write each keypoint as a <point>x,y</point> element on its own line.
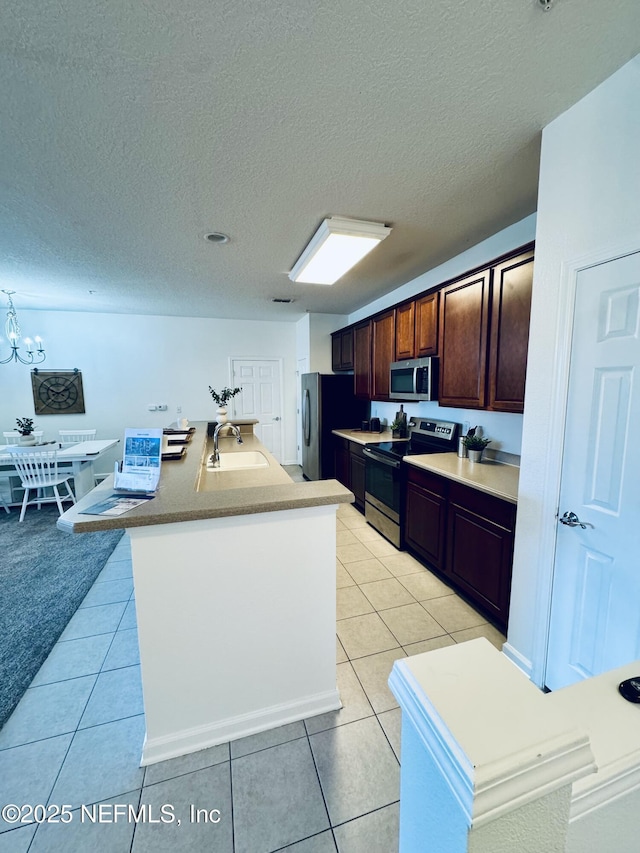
<point>57,392</point>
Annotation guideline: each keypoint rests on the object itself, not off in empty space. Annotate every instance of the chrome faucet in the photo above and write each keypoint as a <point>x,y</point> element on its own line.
<point>215,456</point>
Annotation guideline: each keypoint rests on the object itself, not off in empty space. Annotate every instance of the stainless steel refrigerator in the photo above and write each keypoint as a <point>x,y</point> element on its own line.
<point>328,403</point>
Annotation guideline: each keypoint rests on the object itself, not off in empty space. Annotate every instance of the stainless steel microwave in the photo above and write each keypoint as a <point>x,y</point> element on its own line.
<point>414,379</point>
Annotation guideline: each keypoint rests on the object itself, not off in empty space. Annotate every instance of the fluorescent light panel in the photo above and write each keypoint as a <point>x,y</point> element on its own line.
<point>337,246</point>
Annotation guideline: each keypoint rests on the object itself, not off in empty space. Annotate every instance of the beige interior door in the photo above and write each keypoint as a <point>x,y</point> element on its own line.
<point>595,610</point>
<point>261,398</point>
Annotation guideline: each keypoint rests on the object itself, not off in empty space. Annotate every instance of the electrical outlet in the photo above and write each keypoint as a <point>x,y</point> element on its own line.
<point>178,410</point>
<point>161,407</point>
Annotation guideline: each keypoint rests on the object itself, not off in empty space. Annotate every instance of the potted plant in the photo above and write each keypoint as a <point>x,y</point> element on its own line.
<point>25,428</point>
<point>396,427</point>
<point>222,398</point>
<point>475,445</point>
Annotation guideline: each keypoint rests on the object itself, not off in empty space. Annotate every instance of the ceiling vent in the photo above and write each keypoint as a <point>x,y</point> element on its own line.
<point>284,301</point>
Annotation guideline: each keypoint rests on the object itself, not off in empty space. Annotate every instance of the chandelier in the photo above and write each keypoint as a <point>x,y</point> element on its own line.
<point>12,331</point>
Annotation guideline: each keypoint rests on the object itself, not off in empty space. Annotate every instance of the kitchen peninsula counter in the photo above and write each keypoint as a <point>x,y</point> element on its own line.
<point>234,574</point>
<point>187,492</point>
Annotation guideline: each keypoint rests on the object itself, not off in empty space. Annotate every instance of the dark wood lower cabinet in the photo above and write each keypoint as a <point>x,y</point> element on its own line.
<point>356,458</point>
<point>342,463</point>
<point>465,534</point>
<point>480,530</point>
<point>349,461</point>
<point>426,516</point>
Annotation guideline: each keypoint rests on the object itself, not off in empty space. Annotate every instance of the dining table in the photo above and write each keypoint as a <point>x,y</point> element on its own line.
<point>79,457</point>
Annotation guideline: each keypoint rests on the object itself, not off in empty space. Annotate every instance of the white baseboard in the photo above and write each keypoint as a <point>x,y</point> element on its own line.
<point>221,731</point>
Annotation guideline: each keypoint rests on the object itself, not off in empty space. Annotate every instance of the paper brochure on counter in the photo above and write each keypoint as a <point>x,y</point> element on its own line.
<point>139,470</point>
<point>116,505</point>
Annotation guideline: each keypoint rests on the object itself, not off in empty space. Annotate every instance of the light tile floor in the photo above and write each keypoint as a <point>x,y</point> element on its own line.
<point>330,783</point>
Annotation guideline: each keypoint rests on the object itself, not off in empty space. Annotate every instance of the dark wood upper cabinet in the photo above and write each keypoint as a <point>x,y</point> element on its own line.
<point>477,325</point>
<point>383,353</point>
<point>362,360</point>
<point>464,325</point>
<point>405,331</point>
<point>511,308</point>
<point>426,332</point>
<point>342,350</point>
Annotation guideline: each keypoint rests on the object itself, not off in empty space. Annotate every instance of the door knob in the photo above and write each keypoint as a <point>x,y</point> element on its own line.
<point>276,419</point>
<point>572,520</point>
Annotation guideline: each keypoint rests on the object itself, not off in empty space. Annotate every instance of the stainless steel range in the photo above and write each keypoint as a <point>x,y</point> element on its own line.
<point>383,498</point>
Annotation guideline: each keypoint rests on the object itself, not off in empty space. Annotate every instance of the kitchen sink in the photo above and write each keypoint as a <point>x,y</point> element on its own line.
<point>240,460</point>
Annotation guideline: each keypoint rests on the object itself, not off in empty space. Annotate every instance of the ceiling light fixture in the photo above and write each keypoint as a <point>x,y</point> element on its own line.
<point>12,331</point>
<point>337,246</point>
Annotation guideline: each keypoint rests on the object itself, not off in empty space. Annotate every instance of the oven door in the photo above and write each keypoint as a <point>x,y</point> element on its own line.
<point>382,495</point>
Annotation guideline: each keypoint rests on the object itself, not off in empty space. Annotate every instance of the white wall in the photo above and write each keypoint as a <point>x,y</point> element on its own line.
<point>588,210</point>
<point>313,339</point>
<point>321,327</point>
<point>129,361</point>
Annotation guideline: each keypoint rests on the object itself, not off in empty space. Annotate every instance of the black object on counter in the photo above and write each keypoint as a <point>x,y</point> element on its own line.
<point>630,689</point>
<point>375,425</point>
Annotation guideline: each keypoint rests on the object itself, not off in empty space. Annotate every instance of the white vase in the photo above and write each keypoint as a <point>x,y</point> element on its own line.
<point>27,440</point>
<point>221,415</point>
<point>475,455</point>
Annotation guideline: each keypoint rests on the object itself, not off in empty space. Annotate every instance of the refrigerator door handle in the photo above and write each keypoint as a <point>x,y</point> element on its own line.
<point>306,419</point>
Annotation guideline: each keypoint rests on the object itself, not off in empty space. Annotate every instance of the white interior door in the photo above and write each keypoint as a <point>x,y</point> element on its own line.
<point>261,383</point>
<point>595,610</point>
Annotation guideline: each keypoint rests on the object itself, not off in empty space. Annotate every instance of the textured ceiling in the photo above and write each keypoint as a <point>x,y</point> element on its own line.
<point>130,129</point>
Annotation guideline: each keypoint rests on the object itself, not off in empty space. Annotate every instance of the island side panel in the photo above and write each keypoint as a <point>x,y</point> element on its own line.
<point>236,621</point>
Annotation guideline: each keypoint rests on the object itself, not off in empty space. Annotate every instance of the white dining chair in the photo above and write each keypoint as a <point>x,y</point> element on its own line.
<point>13,436</point>
<point>38,470</point>
<point>69,437</point>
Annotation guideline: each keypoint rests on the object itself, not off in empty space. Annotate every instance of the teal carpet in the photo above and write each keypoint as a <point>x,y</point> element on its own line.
<point>44,575</point>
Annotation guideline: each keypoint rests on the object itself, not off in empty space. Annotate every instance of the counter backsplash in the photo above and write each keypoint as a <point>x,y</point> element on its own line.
<point>504,430</point>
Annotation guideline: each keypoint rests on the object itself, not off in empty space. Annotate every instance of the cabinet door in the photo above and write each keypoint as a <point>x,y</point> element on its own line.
<point>336,351</point>
<point>383,354</point>
<point>357,478</point>
<point>511,309</point>
<point>362,360</point>
<point>342,350</point>
<point>405,332</point>
<point>346,349</point>
<point>464,323</point>
<point>426,515</point>
<point>480,549</point>
<point>342,463</point>
<point>426,342</point>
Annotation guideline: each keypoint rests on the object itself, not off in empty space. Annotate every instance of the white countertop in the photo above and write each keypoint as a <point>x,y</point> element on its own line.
<point>361,437</point>
<point>495,478</point>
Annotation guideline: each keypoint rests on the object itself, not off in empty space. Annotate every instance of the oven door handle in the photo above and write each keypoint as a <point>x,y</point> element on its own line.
<point>391,463</point>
